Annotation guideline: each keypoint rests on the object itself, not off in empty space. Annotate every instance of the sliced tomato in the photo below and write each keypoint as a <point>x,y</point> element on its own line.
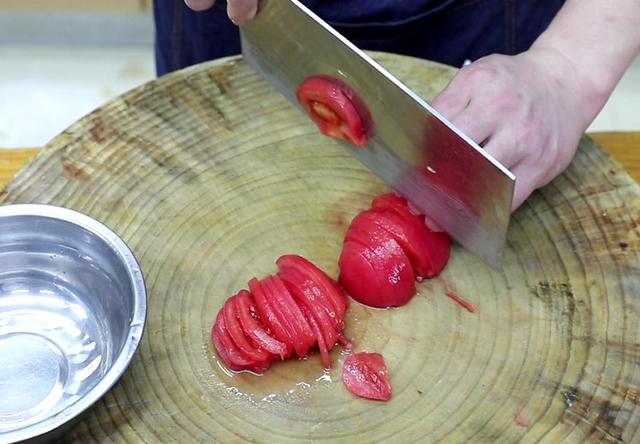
<point>328,286</point>
<point>393,282</point>
<point>269,316</point>
<point>252,327</point>
<point>428,249</point>
<point>304,337</point>
<point>308,294</point>
<point>322,345</point>
<point>229,353</point>
<point>336,109</point>
<point>237,334</point>
<point>366,375</point>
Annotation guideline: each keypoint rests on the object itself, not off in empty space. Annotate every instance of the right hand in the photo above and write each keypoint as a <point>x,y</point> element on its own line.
<point>240,12</point>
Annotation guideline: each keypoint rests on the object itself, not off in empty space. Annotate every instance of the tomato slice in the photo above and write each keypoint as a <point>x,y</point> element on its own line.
<point>271,317</point>
<point>429,250</point>
<point>336,109</point>
<point>322,345</point>
<point>237,334</point>
<point>292,317</point>
<point>248,316</point>
<point>328,286</point>
<point>393,280</point>
<point>308,294</point>
<point>366,375</point>
<point>229,353</point>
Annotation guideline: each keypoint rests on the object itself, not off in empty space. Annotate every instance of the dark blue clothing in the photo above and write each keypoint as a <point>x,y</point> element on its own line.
<point>445,31</point>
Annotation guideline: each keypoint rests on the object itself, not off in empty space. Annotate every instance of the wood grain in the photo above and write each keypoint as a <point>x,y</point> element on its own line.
<point>209,175</point>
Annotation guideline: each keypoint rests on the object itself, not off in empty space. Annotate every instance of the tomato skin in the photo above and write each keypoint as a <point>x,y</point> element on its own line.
<point>307,293</point>
<point>430,248</point>
<point>366,375</point>
<point>244,344</point>
<point>329,287</point>
<point>227,350</point>
<point>246,310</point>
<point>336,109</point>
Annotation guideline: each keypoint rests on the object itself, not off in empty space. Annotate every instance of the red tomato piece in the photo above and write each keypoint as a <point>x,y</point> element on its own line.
<point>336,109</point>
<point>429,250</point>
<point>366,375</point>
<point>237,334</point>
<point>308,294</point>
<point>392,282</point>
<point>322,345</point>
<point>292,317</point>
<point>328,286</point>
<point>252,327</point>
<point>271,317</point>
<point>229,353</point>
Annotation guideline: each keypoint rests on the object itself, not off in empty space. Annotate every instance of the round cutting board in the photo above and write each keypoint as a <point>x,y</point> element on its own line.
<point>210,175</point>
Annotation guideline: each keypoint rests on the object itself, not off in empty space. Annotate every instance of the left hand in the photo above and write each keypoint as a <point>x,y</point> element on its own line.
<point>524,110</point>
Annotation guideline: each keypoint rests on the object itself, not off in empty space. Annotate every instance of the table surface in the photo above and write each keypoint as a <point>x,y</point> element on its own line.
<point>623,146</point>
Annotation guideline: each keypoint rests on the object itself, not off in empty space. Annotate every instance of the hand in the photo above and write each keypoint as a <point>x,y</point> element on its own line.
<point>240,12</point>
<point>524,110</point>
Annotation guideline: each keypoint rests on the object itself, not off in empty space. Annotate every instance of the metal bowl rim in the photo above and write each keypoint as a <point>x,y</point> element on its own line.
<point>122,361</point>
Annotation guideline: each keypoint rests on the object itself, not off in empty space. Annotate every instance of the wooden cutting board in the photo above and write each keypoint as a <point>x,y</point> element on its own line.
<point>209,175</point>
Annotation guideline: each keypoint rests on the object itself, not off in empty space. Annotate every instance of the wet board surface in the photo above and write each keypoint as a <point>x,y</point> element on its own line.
<point>209,175</point>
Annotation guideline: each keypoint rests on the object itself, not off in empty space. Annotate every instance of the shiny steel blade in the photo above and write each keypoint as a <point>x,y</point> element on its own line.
<point>414,149</point>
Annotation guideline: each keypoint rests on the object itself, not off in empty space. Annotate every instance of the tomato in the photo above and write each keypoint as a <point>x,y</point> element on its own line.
<point>242,342</point>
<point>428,250</point>
<point>374,270</point>
<point>366,375</point>
<point>270,316</point>
<point>292,317</point>
<point>307,293</point>
<point>227,350</point>
<point>336,109</point>
<point>297,310</point>
<point>328,286</point>
<point>246,310</point>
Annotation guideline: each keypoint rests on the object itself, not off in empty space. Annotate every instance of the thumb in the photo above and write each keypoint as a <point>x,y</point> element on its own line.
<point>199,5</point>
<point>242,12</point>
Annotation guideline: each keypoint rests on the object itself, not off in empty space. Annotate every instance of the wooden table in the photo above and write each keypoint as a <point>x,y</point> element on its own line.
<point>623,146</point>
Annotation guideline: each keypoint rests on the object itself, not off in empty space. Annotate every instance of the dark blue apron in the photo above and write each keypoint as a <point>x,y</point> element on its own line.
<point>445,31</point>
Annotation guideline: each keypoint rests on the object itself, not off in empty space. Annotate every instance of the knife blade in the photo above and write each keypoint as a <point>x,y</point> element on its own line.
<point>413,149</point>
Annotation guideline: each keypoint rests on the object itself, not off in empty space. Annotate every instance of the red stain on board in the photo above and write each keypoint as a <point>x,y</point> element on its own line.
<point>465,304</point>
<point>520,421</point>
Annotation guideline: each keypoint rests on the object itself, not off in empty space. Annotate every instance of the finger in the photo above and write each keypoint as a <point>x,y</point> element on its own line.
<point>199,5</point>
<point>476,123</point>
<point>242,12</point>
<point>526,183</point>
<point>452,100</point>
<point>503,147</point>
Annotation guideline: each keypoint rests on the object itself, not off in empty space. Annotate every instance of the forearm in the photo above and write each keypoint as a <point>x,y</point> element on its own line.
<point>599,39</point>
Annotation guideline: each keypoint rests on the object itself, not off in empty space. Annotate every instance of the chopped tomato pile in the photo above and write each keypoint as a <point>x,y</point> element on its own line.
<point>298,309</point>
<point>366,375</point>
<point>336,109</point>
<point>386,249</point>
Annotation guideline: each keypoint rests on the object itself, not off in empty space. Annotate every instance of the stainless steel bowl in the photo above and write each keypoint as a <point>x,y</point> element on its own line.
<point>72,313</point>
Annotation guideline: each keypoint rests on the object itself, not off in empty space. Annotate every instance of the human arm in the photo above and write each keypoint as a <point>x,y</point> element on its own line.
<point>530,110</point>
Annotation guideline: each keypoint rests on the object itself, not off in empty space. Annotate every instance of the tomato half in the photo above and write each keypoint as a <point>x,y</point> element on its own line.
<point>336,109</point>
<point>374,269</point>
